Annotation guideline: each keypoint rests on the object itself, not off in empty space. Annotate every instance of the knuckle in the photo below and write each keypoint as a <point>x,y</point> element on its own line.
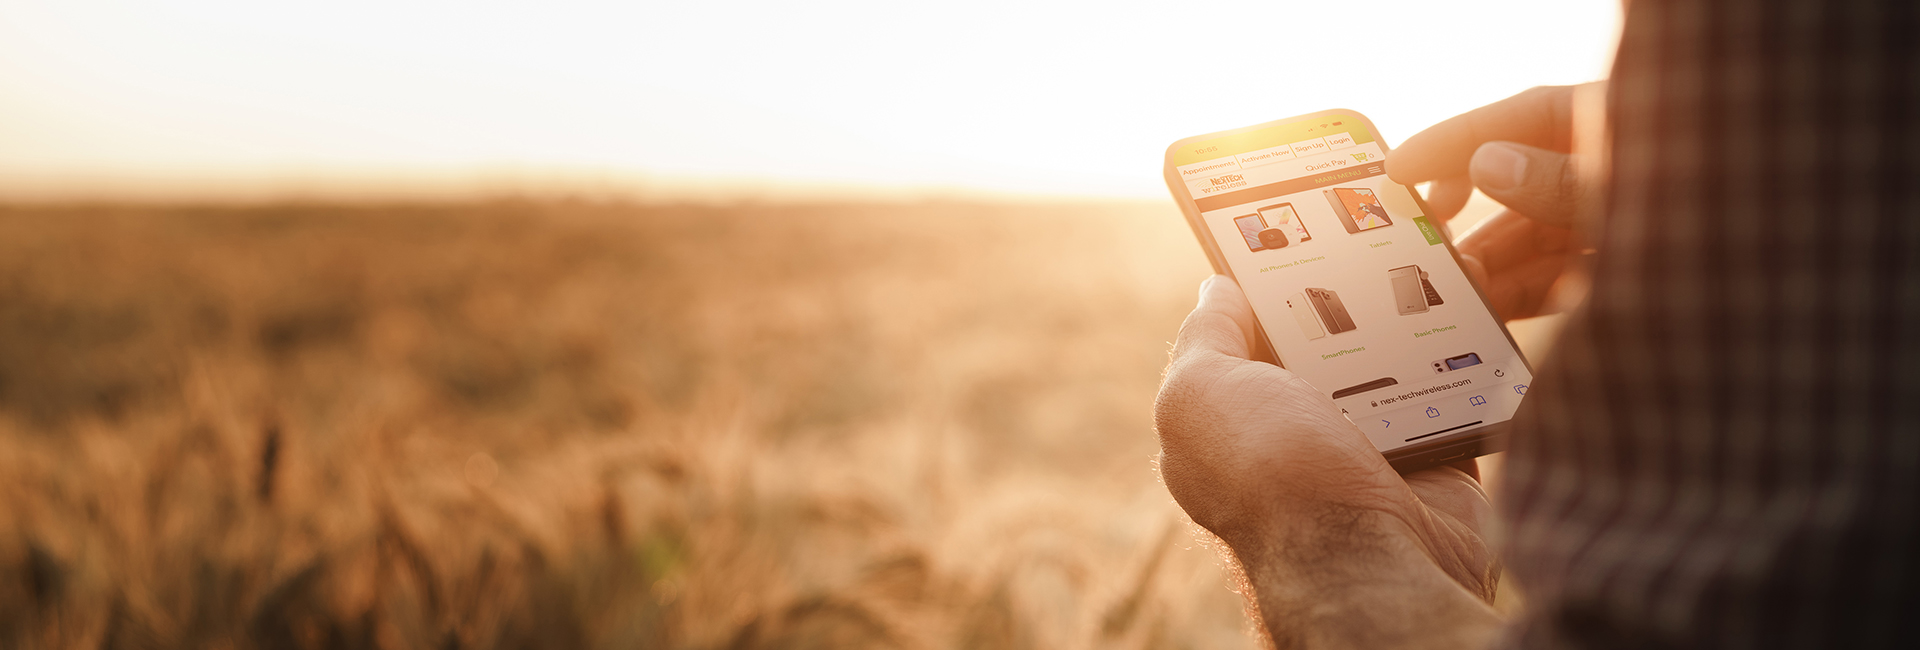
<point>1571,181</point>
<point>1178,397</point>
<point>1295,389</point>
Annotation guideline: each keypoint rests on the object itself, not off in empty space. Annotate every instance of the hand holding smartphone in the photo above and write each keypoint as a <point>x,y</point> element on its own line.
<point>1254,195</point>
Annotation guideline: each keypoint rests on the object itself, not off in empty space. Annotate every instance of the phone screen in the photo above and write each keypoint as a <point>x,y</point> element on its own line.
<point>1372,323</point>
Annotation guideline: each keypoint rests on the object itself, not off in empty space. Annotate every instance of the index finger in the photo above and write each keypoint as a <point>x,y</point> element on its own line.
<point>1541,117</point>
<point>1509,239</point>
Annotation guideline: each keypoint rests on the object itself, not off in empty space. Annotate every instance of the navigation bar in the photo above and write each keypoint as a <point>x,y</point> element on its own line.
<point>1283,188</point>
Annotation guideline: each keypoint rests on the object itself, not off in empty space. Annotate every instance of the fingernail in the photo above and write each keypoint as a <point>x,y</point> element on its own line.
<point>1499,166</point>
<point>1205,284</point>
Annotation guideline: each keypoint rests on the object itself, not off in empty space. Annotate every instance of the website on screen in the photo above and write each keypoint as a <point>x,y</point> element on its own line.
<point>1352,282</point>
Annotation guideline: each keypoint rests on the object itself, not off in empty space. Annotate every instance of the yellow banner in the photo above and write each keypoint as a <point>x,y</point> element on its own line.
<point>1303,133</point>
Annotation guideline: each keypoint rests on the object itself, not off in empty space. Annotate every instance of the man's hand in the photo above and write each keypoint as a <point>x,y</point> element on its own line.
<point>1341,550</point>
<point>1516,152</point>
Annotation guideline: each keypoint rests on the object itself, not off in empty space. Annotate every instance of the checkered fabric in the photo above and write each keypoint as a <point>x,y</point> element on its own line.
<point>1723,450</point>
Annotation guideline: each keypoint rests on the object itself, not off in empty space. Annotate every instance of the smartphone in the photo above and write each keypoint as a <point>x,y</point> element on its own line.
<point>1303,314</point>
<point>1456,363</point>
<point>1332,312</point>
<point>1408,296</point>
<point>1383,378</point>
<point>1283,217</point>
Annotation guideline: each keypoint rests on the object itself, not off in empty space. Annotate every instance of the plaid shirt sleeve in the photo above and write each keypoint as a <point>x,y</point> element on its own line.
<point>1723,450</point>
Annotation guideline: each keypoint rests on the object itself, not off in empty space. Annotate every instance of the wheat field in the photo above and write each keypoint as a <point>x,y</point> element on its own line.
<point>517,424</point>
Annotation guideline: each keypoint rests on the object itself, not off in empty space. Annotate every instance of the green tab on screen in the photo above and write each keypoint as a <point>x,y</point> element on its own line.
<point>1427,228</point>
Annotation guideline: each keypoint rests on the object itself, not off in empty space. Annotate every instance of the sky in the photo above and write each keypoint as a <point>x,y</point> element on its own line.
<point>678,100</point>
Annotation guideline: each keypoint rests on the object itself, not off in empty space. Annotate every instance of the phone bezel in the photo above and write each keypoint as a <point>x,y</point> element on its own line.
<point>1471,443</point>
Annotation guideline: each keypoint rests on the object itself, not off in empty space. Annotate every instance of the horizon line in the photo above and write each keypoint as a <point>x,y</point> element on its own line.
<point>423,184</point>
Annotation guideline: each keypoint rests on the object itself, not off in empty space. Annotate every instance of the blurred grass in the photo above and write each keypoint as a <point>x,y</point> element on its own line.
<point>509,425</point>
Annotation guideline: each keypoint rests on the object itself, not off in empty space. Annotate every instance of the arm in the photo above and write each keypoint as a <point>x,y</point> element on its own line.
<point>1340,550</point>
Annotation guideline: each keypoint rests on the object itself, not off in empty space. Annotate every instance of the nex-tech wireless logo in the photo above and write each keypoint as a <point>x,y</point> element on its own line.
<point>1223,180</point>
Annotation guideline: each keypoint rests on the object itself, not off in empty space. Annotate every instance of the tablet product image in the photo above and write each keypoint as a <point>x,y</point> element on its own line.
<point>1303,314</point>
<point>1456,363</point>
<point>1283,216</point>
<point>1421,425</point>
<point>1359,208</point>
<point>1250,227</point>
<point>1332,312</point>
<point>1408,296</point>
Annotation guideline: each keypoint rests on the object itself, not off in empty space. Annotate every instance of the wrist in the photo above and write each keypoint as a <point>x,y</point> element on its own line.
<point>1359,579</point>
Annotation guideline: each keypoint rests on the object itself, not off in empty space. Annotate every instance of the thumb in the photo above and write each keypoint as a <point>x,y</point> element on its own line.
<point>1540,183</point>
<point>1221,324</point>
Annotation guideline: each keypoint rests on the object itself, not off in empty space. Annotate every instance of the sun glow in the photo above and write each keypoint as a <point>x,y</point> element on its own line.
<point>204,97</point>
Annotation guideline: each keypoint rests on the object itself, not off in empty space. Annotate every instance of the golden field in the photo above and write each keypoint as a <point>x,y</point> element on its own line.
<point>577,425</point>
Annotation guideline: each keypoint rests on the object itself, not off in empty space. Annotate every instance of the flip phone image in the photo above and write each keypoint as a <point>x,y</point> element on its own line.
<point>1332,312</point>
<point>1433,297</point>
<point>1412,292</point>
<point>1408,298</point>
<point>1303,315</point>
